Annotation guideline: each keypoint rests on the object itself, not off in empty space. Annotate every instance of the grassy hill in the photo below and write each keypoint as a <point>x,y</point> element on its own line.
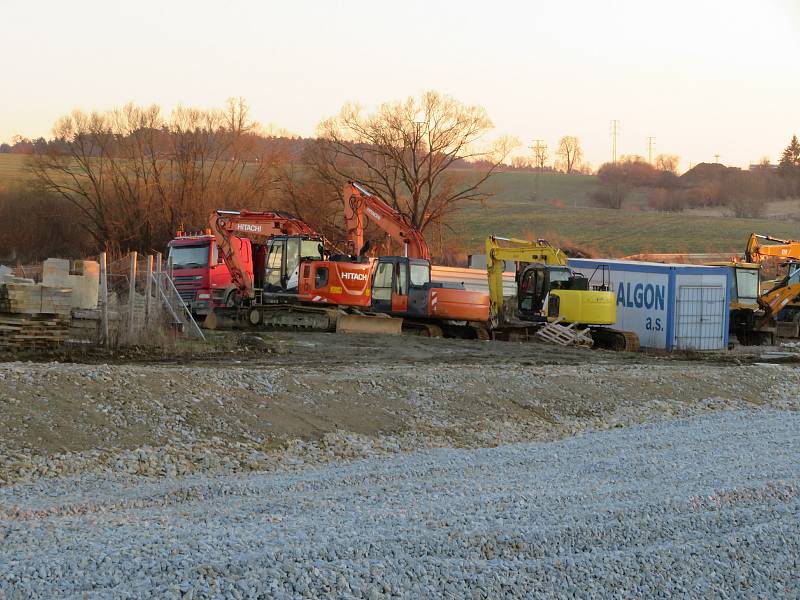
<point>614,232</point>
<point>12,169</point>
<point>559,208</point>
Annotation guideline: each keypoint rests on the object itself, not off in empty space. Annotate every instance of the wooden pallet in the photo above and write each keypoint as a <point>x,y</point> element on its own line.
<point>568,335</point>
<point>32,332</point>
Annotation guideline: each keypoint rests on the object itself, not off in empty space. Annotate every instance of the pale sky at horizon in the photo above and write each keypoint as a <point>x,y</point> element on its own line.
<point>704,78</point>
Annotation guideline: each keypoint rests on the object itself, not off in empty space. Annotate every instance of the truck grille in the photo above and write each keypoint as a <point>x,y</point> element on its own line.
<point>186,295</point>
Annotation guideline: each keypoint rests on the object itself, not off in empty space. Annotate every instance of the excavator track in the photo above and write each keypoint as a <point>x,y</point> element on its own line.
<point>422,329</point>
<point>615,339</point>
<point>290,317</point>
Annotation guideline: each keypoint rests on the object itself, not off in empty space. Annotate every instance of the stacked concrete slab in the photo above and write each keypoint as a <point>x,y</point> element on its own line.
<point>37,315</point>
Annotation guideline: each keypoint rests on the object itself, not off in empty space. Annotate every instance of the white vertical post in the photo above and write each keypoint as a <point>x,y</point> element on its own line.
<point>104,299</point>
<point>148,290</point>
<point>132,293</point>
<point>159,266</point>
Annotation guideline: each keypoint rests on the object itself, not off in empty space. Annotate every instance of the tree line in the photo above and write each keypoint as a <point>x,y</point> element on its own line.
<point>127,179</point>
<point>743,192</point>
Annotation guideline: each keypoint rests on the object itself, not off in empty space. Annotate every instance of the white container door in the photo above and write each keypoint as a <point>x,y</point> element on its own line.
<point>700,318</point>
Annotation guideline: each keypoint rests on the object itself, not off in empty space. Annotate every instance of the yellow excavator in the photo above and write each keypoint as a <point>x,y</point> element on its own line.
<point>548,291</point>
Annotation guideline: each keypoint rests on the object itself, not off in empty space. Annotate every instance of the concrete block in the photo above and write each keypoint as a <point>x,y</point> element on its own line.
<point>83,278</point>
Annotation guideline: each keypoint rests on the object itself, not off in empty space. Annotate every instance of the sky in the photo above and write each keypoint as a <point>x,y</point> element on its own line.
<point>702,77</point>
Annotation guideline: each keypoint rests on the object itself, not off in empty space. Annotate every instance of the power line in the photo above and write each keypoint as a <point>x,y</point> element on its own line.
<point>614,133</point>
<point>651,141</point>
<point>539,152</point>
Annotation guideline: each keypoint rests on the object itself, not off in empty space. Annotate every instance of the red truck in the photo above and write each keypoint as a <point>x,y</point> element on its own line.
<point>200,275</point>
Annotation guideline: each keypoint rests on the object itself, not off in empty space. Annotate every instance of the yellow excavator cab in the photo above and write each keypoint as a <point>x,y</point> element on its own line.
<point>745,283</point>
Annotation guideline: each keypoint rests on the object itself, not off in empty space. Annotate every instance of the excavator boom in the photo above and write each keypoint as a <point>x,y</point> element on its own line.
<point>759,252</point>
<point>360,202</point>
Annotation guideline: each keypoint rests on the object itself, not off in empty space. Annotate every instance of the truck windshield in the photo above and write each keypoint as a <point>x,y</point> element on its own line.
<point>187,257</point>
<point>747,285</point>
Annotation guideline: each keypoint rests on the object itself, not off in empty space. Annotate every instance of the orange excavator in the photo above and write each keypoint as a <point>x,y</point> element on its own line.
<point>291,281</point>
<point>781,298</point>
<point>401,285</point>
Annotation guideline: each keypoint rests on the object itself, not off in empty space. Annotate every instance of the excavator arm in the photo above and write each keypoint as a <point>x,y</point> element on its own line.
<point>756,251</point>
<point>775,300</point>
<point>259,228</point>
<point>358,202</point>
<point>517,251</point>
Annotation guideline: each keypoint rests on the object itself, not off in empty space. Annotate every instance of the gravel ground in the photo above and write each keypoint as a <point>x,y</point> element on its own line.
<point>165,421</point>
<point>702,507</point>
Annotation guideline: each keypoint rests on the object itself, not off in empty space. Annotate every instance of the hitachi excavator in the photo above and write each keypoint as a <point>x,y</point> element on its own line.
<point>295,283</point>
<point>401,285</point>
<point>548,290</point>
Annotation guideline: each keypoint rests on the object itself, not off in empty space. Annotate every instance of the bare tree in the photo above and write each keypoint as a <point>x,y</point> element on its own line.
<point>570,153</point>
<point>668,163</point>
<point>136,176</point>
<point>540,156</point>
<point>520,162</point>
<point>407,152</point>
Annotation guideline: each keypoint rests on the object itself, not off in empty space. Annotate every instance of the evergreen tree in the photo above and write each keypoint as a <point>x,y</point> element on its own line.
<point>790,159</point>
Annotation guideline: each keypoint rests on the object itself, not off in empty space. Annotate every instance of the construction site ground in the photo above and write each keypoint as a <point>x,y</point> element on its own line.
<point>271,401</point>
<point>322,465</point>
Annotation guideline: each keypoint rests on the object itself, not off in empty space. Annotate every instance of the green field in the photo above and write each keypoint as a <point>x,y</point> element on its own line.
<point>559,208</point>
<point>615,233</point>
<point>12,169</point>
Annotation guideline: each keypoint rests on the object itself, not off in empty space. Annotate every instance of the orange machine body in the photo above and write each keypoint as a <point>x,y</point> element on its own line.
<point>335,282</point>
<point>458,305</point>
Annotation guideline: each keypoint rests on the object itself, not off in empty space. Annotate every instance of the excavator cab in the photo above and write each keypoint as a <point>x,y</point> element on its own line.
<point>536,281</point>
<point>400,285</point>
<point>284,255</point>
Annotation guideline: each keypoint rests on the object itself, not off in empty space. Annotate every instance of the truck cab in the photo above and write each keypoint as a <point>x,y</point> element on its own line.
<point>199,273</point>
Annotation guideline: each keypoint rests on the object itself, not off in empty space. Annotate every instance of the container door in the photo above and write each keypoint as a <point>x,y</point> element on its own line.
<point>700,318</point>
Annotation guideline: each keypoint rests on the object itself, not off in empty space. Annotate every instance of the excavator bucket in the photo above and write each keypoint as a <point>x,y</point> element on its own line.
<point>369,324</point>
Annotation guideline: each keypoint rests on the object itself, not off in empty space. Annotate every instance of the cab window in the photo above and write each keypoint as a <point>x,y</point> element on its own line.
<point>401,279</point>
<point>274,263</point>
<point>311,249</point>
<point>321,277</point>
<point>382,284</point>
<point>747,285</point>
<point>420,275</point>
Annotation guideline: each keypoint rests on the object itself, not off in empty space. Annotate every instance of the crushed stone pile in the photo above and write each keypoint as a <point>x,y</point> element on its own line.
<point>700,507</point>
